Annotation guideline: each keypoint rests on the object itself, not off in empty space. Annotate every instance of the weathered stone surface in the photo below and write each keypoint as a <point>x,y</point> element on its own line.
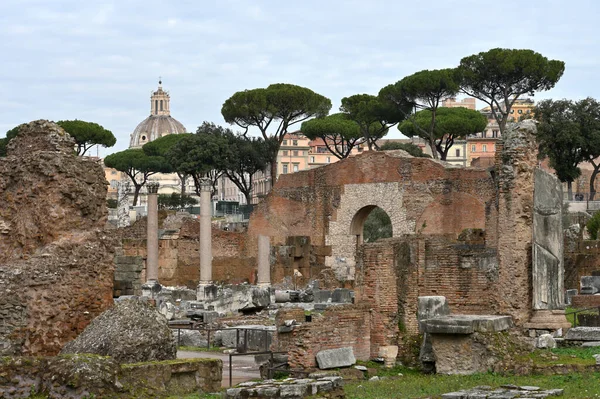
<point>431,306</point>
<point>55,263</point>
<point>477,352</point>
<point>123,192</point>
<point>545,341</point>
<point>46,191</point>
<point>591,281</point>
<point>548,266</point>
<point>90,376</point>
<point>332,358</point>
<point>588,290</point>
<point>324,387</point>
<point>505,392</point>
<point>583,334</point>
<point>467,324</point>
<point>233,298</point>
<point>131,331</point>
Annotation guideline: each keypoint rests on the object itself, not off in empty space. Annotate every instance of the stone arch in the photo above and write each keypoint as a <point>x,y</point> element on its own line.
<point>358,222</point>
<point>356,202</point>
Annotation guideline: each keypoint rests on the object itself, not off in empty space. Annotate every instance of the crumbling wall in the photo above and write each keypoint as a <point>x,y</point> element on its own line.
<point>336,327</point>
<point>393,273</point>
<point>179,258</point>
<point>516,161</point>
<point>419,195</point>
<point>56,265</point>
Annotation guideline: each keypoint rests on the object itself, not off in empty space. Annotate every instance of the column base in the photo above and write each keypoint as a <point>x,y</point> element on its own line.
<point>548,320</point>
<point>151,288</point>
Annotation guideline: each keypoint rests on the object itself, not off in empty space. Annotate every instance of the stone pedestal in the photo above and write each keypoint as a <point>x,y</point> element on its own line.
<point>207,292</point>
<point>264,263</point>
<point>205,233</point>
<point>548,320</point>
<point>150,287</point>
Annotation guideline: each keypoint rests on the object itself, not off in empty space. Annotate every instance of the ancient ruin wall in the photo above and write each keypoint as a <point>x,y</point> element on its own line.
<point>337,327</point>
<point>56,265</point>
<point>46,191</point>
<point>516,162</point>
<point>179,258</point>
<point>393,273</point>
<point>419,195</point>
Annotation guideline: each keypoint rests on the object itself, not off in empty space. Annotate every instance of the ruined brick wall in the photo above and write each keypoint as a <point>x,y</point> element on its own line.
<point>419,195</point>
<point>337,327</point>
<point>393,273</point>
<point>56,264</point>
<point>581,259</point>
<point>179,259</point>
<point>376,287</point>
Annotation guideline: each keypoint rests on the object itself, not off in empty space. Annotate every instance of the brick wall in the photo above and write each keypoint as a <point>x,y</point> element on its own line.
<point>179,259</point>
<point>337,327</point>
<point>419,195</point>
<point>393,273</point>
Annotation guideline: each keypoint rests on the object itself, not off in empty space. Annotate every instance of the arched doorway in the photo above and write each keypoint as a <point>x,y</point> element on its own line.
<point>371,223</point>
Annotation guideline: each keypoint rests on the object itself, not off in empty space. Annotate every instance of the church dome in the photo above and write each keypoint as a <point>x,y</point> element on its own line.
<point>159,123</point>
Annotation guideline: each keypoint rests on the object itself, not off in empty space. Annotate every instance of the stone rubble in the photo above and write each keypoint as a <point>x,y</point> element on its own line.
<point>504,392</point>
<point>327,387</point>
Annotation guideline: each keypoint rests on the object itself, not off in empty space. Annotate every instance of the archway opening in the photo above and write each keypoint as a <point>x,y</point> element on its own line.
<point>370,224</point>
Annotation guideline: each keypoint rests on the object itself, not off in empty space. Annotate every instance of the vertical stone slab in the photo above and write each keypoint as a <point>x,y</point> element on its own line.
<point>548,263</point>
<point>123,191</point>
<point>152,286</point>
<point>205,233</point>
<point>264,264</point>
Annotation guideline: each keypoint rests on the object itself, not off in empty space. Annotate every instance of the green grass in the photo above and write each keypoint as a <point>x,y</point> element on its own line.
<point>200,349</point>
<point>577,355</point>
<point>417,386</point>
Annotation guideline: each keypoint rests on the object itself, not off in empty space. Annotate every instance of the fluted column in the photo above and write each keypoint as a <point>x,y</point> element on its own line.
<point>205,232</point>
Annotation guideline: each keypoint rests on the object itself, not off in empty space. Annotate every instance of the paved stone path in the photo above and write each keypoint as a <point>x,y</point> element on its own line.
<point>244,367</point>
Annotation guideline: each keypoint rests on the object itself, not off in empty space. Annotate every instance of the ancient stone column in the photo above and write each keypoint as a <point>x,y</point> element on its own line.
<point>205,232</point>
<point>123,190</point>
<point>152,286</point>
<point>264,264</point>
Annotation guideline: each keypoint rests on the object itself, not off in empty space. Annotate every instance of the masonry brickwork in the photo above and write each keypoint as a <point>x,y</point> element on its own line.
<point>179,258</point>
<point>326,204</point>
<point>336,327</point>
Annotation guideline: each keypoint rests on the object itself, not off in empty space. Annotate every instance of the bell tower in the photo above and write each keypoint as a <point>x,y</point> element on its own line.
<point>159,101</point>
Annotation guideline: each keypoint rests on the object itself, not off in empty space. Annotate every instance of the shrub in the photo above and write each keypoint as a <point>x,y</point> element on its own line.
<point>593,225</point>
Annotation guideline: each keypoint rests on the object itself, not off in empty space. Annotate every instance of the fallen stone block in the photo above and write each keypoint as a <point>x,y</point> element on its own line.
<point>332,358</point>
<point>583,334</point>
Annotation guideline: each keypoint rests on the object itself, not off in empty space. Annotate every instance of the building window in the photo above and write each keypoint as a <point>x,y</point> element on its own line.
<point>312,159</point>
<point>494,147</point>
<point>285,153</point>
<point>328,159</point>
<point>473,149</point>
<point>296,166</point>
<point>458,153</point>
<point>161,107</point>
<point>284,142</point>
<point>114,172</point>
<point>484,148</point>
<point>295,153</point>
<point>156,106</point>
<point>285,168</point>
<point>494,133</point>
<point>520,111</point>
<point>294,142</point>
<point>512,111</point>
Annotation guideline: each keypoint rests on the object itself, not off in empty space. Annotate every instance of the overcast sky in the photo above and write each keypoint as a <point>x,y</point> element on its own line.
<point>99,60</point>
